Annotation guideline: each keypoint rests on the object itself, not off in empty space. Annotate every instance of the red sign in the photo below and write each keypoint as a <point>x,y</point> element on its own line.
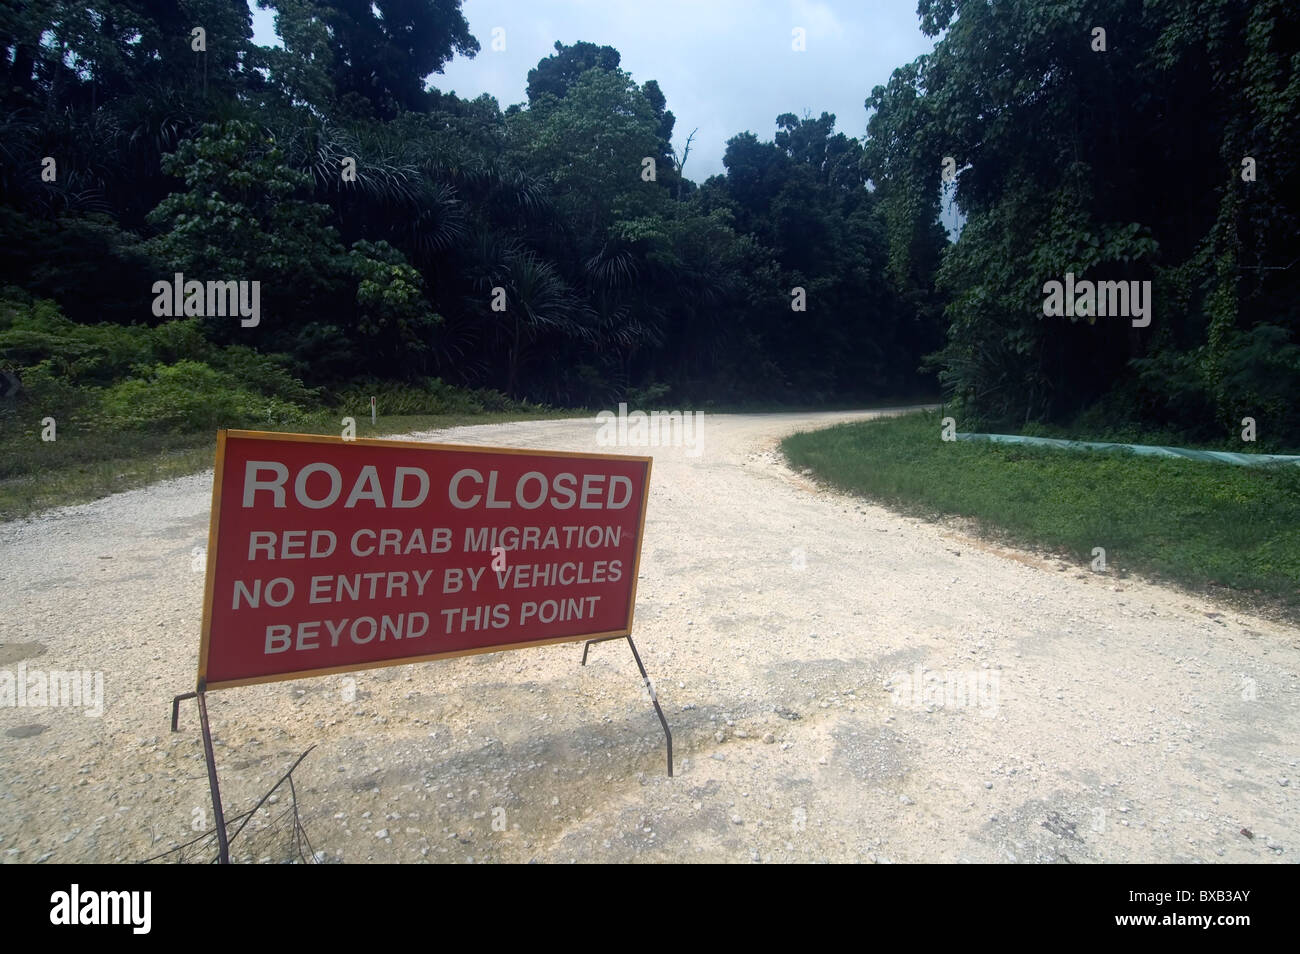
<point>326,555</point>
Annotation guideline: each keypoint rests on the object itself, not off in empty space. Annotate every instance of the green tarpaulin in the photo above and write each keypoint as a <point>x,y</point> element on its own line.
<point>1222,457</point>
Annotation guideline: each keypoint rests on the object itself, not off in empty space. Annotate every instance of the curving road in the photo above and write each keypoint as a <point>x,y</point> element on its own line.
<point>843,684</point>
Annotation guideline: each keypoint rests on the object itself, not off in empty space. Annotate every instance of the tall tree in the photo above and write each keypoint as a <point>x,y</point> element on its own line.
<point>1114,157</point>
<point>555,74</point>
<point>386,49</point>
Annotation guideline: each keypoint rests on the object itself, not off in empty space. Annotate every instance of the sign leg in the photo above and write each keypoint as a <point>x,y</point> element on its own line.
<point>223,845</point>
<point>587,645</point>
<point>649,687</point>
<point>176,706</point>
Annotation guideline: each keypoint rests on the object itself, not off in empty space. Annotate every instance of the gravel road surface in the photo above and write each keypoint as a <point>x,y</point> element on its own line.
<point>843,684</point>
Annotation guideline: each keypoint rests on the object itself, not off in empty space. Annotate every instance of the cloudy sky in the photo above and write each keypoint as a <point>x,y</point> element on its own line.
<point>726,66</point>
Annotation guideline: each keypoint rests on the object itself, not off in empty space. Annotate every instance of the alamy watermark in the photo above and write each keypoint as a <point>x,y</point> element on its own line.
<point>192,299</point>
<point>656,429</point>
<point>130,908</point>
<point>1086,299</point>
<point>38,688</point>
<point>951,689</point>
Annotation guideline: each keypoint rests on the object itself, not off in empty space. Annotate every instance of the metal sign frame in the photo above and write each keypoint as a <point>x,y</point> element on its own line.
<point>203,685</point>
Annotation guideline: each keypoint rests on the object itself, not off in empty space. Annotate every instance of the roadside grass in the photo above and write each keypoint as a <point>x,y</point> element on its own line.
<point>83,465</point>
<point>1234,531</point>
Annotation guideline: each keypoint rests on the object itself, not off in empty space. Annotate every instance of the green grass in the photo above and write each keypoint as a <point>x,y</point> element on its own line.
<point>1202,525</point>
<point>87,465</point>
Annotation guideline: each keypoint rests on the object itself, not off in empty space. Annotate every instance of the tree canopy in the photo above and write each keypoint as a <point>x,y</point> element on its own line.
<point>553,250</point>
<point>1121,157</point>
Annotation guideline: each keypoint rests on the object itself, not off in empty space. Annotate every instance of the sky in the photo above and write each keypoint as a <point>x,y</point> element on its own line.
<point>725,66</point>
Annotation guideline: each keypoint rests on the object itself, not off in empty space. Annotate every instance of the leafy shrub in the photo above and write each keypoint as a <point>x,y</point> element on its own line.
<point>37,332</point>
<point>169,378</point>
<point>651,396</point>
<point>489,400</point>
<point>265,374</point>
<point>46,393</point>
<point>181,339</point>
<point>189,396</point>
<point>429,396</point>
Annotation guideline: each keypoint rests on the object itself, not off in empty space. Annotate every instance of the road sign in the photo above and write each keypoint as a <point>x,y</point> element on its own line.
<point>327,555</point>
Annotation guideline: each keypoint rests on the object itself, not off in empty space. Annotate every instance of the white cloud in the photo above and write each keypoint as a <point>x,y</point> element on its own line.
<point>815,17</point>
<point>725,66</point>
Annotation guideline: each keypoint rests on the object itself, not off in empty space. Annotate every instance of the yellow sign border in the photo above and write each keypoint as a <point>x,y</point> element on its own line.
<point>215,520</point>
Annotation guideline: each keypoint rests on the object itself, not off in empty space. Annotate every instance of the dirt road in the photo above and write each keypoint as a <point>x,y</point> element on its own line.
<point>843,684</point>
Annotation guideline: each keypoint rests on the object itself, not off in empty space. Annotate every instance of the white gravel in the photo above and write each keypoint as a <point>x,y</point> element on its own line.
<point>1127,722</point>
